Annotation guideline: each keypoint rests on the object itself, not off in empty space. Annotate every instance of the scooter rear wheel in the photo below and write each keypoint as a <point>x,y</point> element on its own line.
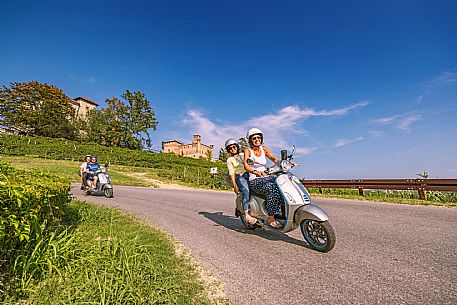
<point>319,234</point>
<point>246,224</point>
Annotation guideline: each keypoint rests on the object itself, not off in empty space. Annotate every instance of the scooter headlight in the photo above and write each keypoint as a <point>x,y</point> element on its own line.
<point>285,165</point>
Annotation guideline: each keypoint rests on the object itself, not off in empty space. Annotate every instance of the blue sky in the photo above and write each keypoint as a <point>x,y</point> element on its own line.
<point>364,89</point>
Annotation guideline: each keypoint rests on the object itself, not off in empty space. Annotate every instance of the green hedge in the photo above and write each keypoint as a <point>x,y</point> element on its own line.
<point>30,204</point>
<point>195,171</point>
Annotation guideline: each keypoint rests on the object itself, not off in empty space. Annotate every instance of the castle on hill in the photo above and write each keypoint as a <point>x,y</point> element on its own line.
<point>196,149</point>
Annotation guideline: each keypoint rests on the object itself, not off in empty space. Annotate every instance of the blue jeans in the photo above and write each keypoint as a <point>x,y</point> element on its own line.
<point>242,182</point>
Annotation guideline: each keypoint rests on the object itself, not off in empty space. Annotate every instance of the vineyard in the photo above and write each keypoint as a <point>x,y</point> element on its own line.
<point>170,166</point>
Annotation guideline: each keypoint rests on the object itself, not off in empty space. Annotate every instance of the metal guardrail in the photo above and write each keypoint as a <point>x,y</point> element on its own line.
<point>419,185</point>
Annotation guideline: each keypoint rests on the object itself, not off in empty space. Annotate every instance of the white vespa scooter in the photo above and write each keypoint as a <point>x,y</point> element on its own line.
<point>297,210</point>
<point>104,187</point>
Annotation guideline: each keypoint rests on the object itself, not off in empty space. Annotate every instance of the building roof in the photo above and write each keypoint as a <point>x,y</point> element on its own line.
<point>74,102</point>
<point>86,100</point>
<point>170,141</point>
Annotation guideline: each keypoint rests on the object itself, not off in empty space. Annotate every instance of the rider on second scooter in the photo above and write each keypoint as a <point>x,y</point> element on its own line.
<point>82,171</point>
<point>91,170</point>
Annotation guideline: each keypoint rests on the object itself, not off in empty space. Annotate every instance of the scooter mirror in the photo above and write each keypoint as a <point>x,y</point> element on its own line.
<point>293,150</point>
<point>283,154</point>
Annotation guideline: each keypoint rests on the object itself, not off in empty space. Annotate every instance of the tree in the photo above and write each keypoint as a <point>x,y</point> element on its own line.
<point>123,123</point>
<point>423,175</point>
<point>223,155</point>
<point>243,143</point>
<point>38,109</point>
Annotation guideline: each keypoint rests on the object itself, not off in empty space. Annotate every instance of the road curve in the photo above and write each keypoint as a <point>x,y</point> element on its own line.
<point>385,253</point>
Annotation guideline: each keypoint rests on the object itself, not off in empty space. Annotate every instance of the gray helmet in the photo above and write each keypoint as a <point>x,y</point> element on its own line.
<point>231,142</point>
<point>252,132</point>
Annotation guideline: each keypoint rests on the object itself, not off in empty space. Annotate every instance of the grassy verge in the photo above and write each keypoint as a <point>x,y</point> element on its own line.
<point>141,176</point>
<point>446,199</point>
<point>107,257</point>
<point>120,174</point>
<point>167,166</point>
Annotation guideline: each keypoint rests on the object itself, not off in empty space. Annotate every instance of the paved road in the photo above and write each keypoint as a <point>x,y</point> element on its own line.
<point>385,253</point>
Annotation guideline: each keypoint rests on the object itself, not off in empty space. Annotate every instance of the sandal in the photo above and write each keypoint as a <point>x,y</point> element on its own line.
<point>275,224</point>
<point>251,220</point>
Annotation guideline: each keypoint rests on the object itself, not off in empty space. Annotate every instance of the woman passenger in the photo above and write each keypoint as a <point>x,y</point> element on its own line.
<point>238,175</point>
<point>259,182</point>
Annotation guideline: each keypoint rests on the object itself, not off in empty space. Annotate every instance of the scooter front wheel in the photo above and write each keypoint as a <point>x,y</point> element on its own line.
<point>109,193</point>
<point>319,234</point>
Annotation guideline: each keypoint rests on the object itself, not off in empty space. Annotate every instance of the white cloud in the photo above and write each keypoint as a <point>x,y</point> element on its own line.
<point>343,141</point>
<point>276,126</point>
<point>376,133</point>
<point>303,151</point>
<point>405,122</point>
<point>446,77</point>
<point>386,120</point>
<point>401,121</point>
<point>421,97</point>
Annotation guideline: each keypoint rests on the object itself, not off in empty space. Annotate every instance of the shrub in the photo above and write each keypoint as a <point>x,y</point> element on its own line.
<point>30,207</point>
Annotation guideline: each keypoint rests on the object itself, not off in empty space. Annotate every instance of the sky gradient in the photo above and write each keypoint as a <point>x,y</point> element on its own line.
<point>363,89</point>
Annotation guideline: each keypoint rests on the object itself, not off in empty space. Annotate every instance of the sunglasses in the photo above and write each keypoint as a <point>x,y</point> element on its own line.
<point>232,147</point>
<point>256,138</point>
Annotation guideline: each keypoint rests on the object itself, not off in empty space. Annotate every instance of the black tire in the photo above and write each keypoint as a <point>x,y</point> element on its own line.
<point>318,234</point>
<point>108,193</point>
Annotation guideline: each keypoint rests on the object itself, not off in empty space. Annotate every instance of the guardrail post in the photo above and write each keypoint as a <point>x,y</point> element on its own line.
<point>421,192</point>
<point>421,188</point>
<point>361,191</point>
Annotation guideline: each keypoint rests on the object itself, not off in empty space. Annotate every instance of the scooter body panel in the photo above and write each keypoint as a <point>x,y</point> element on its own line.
<point>104,182</point>
<point>312,212</point>
<point>294,198</point>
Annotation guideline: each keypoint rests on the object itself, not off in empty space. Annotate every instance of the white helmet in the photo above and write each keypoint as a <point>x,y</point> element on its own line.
<point>231,142</point>
<point>254,131</point>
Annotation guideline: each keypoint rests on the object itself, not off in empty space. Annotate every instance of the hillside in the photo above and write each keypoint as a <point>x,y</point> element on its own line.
<point>168,166</point>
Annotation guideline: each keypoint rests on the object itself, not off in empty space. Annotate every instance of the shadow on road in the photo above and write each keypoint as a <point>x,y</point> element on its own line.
<point>233,223</point>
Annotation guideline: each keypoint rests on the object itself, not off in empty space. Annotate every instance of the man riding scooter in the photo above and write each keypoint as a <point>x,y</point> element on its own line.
<point>91,169</point>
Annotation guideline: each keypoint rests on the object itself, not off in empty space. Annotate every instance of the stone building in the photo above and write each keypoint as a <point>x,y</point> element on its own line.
<point>83,105</point>
<point>196,149</point>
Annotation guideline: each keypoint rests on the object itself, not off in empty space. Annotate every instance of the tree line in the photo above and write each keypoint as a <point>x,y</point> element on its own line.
<point>40,109</point>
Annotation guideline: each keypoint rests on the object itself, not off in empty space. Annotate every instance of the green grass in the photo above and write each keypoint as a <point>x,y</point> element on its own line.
<point>167,166</point>
<point>120,174</point>
<point>447,199</point>
<point>141,176</point>
<point>104,256</point>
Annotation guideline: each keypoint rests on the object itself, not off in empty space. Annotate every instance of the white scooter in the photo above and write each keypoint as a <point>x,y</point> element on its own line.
<point>104,187</point>
<point>297,210</point>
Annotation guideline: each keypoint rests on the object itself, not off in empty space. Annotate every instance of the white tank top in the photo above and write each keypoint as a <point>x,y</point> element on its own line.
<point>259,164</point>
